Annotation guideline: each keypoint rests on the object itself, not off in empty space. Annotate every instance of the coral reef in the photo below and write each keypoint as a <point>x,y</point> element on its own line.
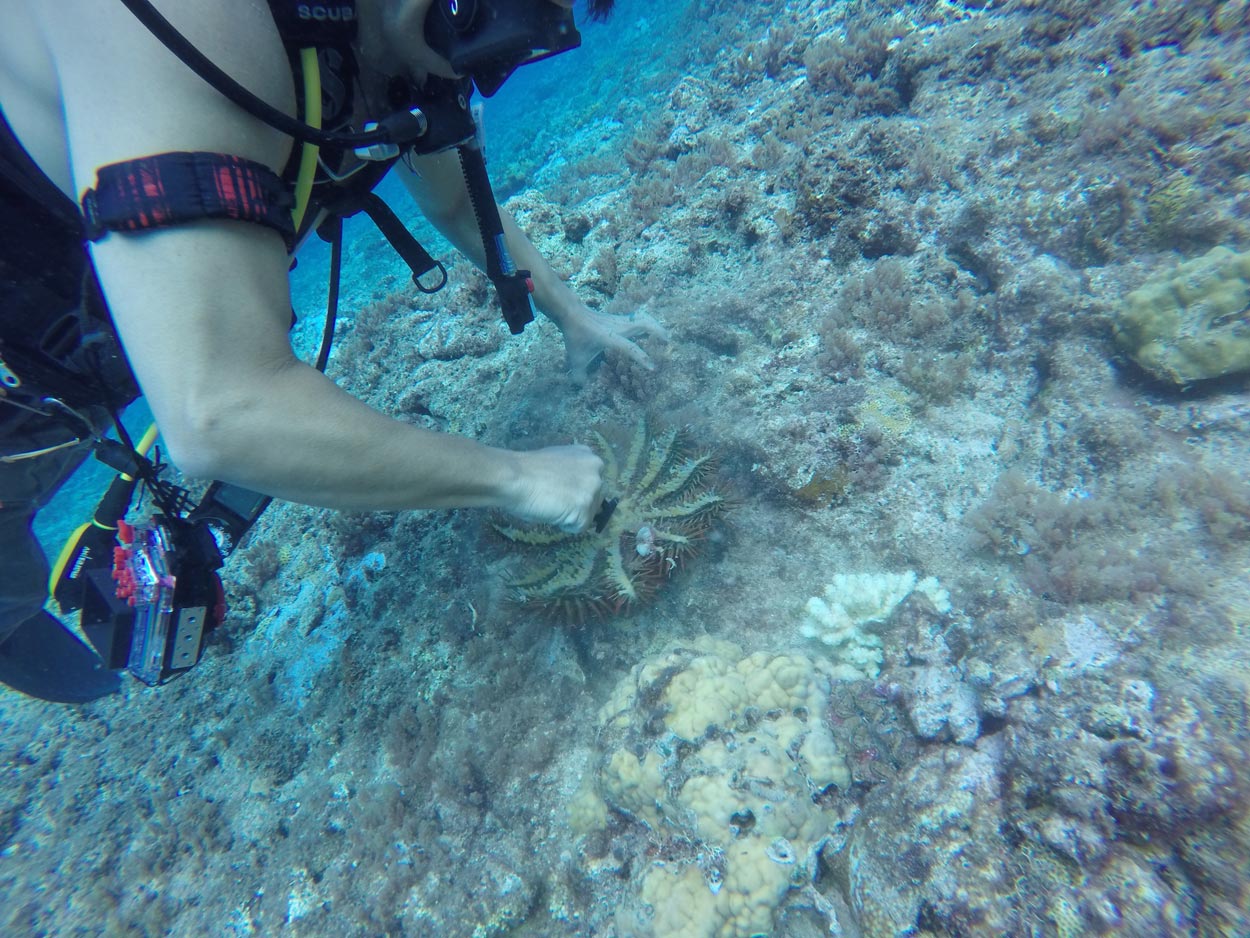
<point>1039,822</point>
<point>1190,324</point>
<point>893,246</point>
<point>724,759</point>
<point>853,606</point>
<point>661,507</point>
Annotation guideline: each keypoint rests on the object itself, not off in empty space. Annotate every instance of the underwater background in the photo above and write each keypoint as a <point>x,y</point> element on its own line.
<point>947,635</point>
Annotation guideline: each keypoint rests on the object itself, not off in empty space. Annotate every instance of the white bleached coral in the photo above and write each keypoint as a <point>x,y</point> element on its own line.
<point>845,618</point>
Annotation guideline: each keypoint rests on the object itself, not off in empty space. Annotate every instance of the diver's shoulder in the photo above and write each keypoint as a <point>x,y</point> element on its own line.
<point>123,93</point>
<point>235,34</point>
<point>21,35</point>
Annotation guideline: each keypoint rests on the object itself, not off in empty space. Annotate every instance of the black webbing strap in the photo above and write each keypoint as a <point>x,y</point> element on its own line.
<point>327,25</point>
<point>176,188</point>
<point>22,174</point>
<point>404,244</point>
<point>512,286</point>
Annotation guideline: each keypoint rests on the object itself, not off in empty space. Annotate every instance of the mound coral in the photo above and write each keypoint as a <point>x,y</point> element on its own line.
<point>663,508</point>
<point>725,758</point>
<point>1189,324</point>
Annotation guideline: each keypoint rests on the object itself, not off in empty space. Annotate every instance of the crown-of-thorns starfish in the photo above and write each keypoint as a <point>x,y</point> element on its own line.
<point>664,508</point>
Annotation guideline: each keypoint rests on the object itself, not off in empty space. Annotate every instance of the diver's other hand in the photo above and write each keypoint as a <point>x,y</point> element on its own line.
<point>589,334</point>
<point>558,485</point>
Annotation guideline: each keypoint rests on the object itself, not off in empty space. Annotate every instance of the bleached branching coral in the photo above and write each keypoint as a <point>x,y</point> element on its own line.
<point>846,617</point>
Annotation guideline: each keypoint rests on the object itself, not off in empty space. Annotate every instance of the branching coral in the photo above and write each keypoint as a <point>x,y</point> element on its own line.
<point>664,507</point>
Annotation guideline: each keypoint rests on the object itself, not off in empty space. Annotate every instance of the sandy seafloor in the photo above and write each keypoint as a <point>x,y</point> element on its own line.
<point>891,244</point>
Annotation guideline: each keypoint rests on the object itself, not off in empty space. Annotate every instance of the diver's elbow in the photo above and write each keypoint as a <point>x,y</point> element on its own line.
<point>196,455</point>
<point>203,441</point>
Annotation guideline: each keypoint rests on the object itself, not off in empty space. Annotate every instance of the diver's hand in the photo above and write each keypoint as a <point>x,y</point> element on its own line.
<point>558,485</point>
<point>588,334</point>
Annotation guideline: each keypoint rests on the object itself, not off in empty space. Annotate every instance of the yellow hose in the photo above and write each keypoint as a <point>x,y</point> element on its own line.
<point>62,561</point>
<point>145,444</point>
<point>312,116</point>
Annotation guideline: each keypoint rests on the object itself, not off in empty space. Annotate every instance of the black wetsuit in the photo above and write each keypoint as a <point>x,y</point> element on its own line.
<point>54,332</point>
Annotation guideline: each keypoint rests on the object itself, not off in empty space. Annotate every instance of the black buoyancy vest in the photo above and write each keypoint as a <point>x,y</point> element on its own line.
<point>56,337</point>
<point>329,28</point>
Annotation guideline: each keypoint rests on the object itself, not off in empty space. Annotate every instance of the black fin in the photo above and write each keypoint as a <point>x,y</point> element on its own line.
<point>44,659</point>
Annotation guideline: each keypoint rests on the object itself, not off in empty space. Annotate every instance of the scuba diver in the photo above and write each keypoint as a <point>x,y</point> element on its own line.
<point>159,164</point>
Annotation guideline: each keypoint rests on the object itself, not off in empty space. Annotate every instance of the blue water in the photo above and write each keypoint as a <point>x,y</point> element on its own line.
<point>946,638</point>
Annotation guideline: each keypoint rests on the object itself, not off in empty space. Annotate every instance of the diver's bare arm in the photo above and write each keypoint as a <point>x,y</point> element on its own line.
<point>233,403</point>
<point>212,354</point>
<point>437,185</point>
<point>203,308</point>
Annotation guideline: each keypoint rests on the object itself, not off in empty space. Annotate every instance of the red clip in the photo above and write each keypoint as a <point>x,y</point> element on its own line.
<point>127,586</point>
<point>220,610</point>
<point>529,284</point>
<point>125,532</point>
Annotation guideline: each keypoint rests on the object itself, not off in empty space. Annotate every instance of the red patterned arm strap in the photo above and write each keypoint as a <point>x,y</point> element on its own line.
<point>175,188</point>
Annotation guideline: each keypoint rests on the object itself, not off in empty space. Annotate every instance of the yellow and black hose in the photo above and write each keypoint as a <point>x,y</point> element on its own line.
<point>91,544</point>
<point>309,152</point>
